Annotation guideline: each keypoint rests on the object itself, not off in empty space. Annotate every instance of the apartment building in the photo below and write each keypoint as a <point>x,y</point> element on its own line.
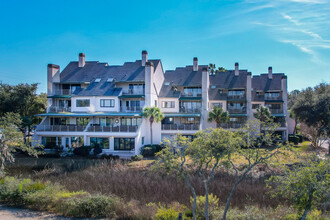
<point>93,103</point>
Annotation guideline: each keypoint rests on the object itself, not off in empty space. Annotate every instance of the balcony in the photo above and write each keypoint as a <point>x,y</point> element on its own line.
<point>191,94</point>
<point>236,97</point>
<point>232,125</point>
<point>276,111</point>
<point>190,110</point>
<point>131,109</point>
<point>273,98</point>
<point>236,110</point>
<point>175,127</point>
<point>59,109</point>
<point>134,92</point>
<point>61,128</point>
<point>63,91</point>
<point>121,128</point>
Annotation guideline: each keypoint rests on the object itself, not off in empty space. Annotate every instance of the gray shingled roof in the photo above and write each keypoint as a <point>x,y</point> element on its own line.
<point>263,83</point>
<point>129,72</point>
<point>181,76</point>
<point>228,80</point>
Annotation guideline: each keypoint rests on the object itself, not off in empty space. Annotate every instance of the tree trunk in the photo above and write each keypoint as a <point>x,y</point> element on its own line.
<point>151,133</point>
<point>206,212</point>
<point>194,197</point>
<point>308,206</point>
<point>295,126</point>
<point>229,199</point>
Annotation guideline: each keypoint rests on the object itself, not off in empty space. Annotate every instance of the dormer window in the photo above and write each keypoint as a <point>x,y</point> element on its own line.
<point>167,83</point>
<point>110,80</point>
<point>97,80</point>
<point>213,87</point>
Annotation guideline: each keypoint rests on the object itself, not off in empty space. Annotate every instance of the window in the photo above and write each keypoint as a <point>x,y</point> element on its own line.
<point>51,142</point>
<point>255,106</point>
<point>155,103</point>
<point>97,80</point>
<point>168,120</point>
<point>142,141</point>
<point>82,121</point>
<point>168,104</point>
<point>130,121</point>
<point>236,93</point>
<point>213,87</point>
<point>124,143</point>
<point>59,121</point>
<point>100,142</point>
<point>107,103</point>
<point>192,91</point>
<point>77,142</point>
<point>82,102</point>
<point>217,104</point>
<point>190,120</point>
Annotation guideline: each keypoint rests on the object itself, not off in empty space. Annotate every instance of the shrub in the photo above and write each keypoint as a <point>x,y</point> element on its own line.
<point>97,150</point>
<point>88,207</point>
<point>137,157</point>
<point>150,150</point>
<point>82,151</point>
<point>200,205</point>
<point>167,214</point>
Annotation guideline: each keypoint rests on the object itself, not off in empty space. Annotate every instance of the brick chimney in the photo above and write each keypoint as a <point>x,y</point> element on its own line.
<point>195,64</point>
<point>236,69</point>
<point>144,57</point>
<point>270,72</point>
<point>81,60</point>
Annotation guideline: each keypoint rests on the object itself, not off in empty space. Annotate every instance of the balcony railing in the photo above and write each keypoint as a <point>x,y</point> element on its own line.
<point>63,91</point>
<point>175,127</point>
<point>271,98</point>
<point>60,128</point>
<point>134,92</point>
<point>276,111</point>
<point>121,128</point>
<point>59,109</point>
<point>190,110</point>
<point>131,109</point>
<point>236,97</point>
<point>232,125</point>
<point>191,94</point>
<point>237,110</point>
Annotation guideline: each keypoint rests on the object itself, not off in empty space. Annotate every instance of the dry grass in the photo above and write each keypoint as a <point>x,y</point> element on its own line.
<point>140,184</point>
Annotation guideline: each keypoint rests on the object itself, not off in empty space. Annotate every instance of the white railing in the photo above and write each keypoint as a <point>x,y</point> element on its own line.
<point>276,111</point>
<point>59,109</point>
<point>237,110</point>
<point>190,110</point>
<point>134,92</point>
<point>231,125</point>
<point>61,128</point>
<point>273,97</point>
<point>131,109</point>
<point>236,96</point>
<point>120,128</point>
<point>175,127</point>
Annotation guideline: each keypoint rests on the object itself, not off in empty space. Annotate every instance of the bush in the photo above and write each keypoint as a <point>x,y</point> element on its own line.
<point>150,150</point>
<point>97,150</point>
<point>167,214</point>
<point>137,157</point>
<point>82,151</point>
<point>200,205</point>
<point>294,138</point>
<point>110,157</point>
<point>89,207</point>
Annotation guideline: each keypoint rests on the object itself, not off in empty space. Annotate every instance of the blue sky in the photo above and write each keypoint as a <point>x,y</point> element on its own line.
<point>292,36</point>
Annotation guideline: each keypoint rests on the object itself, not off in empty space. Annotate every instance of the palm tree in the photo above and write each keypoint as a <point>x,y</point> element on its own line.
<point>154,114</point>
<point>218,115</point>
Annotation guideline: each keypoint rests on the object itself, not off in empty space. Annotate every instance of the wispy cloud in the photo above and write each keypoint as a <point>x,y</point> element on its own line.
<point>300,23</point>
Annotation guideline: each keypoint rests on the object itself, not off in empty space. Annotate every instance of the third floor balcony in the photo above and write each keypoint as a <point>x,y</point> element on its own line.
<point>134,91</point>
<point>59,109</point>
<point>237,110</point>
<point>189,110</point>
<point>131,109</point>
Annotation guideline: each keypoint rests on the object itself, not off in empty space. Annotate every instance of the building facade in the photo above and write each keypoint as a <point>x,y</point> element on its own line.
<point>93,103</point>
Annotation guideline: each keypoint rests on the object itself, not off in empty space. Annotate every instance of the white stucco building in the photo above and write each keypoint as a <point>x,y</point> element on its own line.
<point>95,103</point>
